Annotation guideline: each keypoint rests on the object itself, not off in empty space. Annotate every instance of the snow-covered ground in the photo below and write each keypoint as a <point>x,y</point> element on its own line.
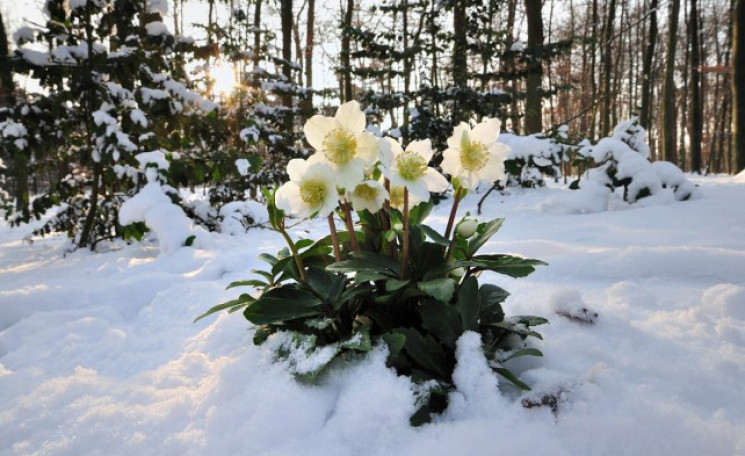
<point>99,355</point>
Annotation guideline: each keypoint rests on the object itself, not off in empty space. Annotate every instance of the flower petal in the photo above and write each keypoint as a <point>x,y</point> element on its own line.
<point>351,116</point>
<point>418,189</point>
<point>454,139</point>
<point>296,169</point>
<point>287,198</point>
<point>316,129</point>
<point>486,132</point>
<point>435,181</point>
<point>368,146</point>
<point>423,148</point>
<point>451,162</point>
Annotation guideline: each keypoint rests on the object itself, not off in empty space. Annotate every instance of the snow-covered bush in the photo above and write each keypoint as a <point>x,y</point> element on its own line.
<point>531,159</point>
<point>622,161</point>
<point>396,281</point>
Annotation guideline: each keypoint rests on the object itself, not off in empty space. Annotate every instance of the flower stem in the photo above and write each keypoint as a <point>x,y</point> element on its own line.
<point>405,253</point>
<point>293,249</point>
<point>451,220</point>
<point>334,237</point>
<point>350,226</point>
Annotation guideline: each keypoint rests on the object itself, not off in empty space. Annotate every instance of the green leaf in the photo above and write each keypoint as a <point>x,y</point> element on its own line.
<point>247,283</point>
<point>242,301</point>
<point>392,285</point>
<point>519,329</point>
<point>262,334</point>
<point>530,320</point>
<point>523,352</point>
<point>441,289</point>
<point>373,266</point>
<point>427,353</point>
<point>434,235</point>
<point>281,304</point>
<point>441,320</point>
<point>303,243</point>
<point>490,299</point>
<point>503,264</point>
<point>469,304</point>
<point>484,232</point>
<point>395,342</point>
<point>190,240</point>
<point>419,212</point>
<point>506,373</point>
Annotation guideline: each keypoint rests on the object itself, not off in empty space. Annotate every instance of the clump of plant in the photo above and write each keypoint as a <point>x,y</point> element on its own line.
<point>386,277</point>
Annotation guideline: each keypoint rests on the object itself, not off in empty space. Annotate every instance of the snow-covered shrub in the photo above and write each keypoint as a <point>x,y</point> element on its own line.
<point>623,162</point>
<point>531,159</point>
<point>396,281</point>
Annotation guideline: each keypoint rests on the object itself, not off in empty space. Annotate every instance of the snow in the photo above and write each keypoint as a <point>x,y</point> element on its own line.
<point>99,355</point>
<point>157,28</point>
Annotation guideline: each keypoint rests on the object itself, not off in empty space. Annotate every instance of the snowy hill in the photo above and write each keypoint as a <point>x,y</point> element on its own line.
<point>99,355</point>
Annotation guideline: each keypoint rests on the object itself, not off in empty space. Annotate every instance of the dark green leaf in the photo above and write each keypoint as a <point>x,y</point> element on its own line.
<point>240,302</point>
<point>282,304</point>
<point>262,334</point>
<point>441,289</point>
<point>483,234</point>
<point>392,285</point>
<point>247,283</point>
<point>503,264</point>
<point>516,329</point>
<point>469,304</point>
<point>506,373</point>
<point>524,352</point>
<point>441,320</point>
<point>490,299</point>
<point>434,235</point>
<point>427,353</point>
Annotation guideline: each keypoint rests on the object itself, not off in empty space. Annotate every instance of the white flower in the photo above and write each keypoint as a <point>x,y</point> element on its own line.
<point>310,191</point>
<point>343,143</point>
<point>474,155</point>
<point>368,195</point>
<point>408,168</point>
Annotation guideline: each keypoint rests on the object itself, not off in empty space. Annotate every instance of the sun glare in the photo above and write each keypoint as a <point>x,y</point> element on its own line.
<point>223,76</point>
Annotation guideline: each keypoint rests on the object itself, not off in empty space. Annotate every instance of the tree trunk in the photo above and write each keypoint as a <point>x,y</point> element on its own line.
<point>696,125</point>
<point>287,21</point>
<point>306,104</point>
<point>7,86</point>
<point>346,69</point>
<point>667,131</point>
<point>645,116</point>
<point>533,123</point>
<point>738,91</point>
<point>605,123</point>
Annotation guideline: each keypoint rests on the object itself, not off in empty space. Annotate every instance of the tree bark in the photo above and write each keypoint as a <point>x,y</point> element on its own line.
<point>286,19</point>
<point>645,116</point>
<point>605,123</point>
<point>348,94</point>
<point>738,91</point>
<point>533,121</point>
<point>7,86</point>
<point>696,125</point>
<point>667,132</point>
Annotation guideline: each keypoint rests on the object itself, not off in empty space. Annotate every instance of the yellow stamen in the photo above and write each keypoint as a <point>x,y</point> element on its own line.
<point>340,146</point>
<point>473,155</point>
<point>366,192</point>
<point>313,192</point>
<point>411,166</point>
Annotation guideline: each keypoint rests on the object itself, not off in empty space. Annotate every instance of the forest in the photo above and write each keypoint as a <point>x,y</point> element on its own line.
<point>220,89</point>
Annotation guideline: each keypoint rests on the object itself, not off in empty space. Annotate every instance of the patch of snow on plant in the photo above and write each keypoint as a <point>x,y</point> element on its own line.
<point>477,394</point>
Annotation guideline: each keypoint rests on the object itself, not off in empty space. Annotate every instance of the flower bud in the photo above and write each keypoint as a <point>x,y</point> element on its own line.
<point>467,227</point>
